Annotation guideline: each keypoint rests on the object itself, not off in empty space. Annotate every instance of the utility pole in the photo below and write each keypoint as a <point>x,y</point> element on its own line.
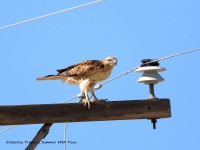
<point>77,112</point>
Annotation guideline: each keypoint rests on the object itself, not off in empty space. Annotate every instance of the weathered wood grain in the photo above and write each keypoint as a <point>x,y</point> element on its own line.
<point>77,112</point>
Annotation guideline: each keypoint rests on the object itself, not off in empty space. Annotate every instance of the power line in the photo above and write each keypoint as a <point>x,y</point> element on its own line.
<point>71,99</point>
<point>8,129</point>
<point>183,53</point>
<point>65,136</point>
<point>51,14</point>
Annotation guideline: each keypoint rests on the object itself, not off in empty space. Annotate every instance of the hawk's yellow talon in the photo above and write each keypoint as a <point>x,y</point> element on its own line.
<point>86,103</point>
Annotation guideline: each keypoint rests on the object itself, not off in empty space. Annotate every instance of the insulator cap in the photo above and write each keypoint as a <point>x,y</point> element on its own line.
<point>144,61</point>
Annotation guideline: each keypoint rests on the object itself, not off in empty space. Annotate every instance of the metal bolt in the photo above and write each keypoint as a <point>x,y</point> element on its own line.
<point>154,121</point>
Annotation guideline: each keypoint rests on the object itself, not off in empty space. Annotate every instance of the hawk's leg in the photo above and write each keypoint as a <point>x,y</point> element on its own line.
<point>95,98</point>
<point>86,101</point>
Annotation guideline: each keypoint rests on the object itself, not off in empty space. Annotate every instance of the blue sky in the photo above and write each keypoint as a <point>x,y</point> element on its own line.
<point>128,30</point>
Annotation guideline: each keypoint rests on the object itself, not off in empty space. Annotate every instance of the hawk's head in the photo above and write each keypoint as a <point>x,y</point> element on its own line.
<point>111,60</point>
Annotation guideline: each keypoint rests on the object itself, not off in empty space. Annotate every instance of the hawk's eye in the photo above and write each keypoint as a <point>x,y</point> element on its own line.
<point>109,60</point>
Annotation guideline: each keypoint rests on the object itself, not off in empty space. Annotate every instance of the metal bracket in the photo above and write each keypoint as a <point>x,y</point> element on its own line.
<point>42,133</point>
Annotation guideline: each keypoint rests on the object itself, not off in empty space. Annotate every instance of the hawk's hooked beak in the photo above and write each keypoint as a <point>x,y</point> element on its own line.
<point>115,62</point>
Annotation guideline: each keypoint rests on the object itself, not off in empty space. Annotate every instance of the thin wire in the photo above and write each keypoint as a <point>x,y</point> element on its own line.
<point>51,14</point>
<point>8,129</point>
<point>129,71</point>
<point>190,51</point>
<point>65,136</point>
<point>70,99</point>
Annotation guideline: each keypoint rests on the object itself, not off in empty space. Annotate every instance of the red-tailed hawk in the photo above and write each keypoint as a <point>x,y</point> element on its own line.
<point>85,74</point>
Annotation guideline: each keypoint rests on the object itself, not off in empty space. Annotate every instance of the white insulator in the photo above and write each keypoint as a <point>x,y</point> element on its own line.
<point>150,75</point>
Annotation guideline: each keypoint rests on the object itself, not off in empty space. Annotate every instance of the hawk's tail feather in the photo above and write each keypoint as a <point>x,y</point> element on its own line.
<point>49,77</point>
